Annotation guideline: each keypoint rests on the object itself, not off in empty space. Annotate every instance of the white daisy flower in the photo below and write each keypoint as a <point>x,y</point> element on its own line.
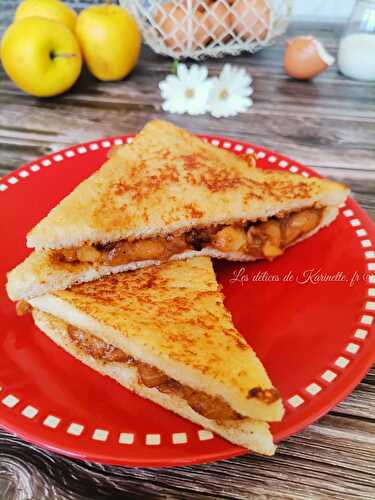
<point>188,91</point>
<point>230,92</point>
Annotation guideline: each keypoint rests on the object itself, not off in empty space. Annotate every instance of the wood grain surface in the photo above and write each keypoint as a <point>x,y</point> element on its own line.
<point>328,124</point>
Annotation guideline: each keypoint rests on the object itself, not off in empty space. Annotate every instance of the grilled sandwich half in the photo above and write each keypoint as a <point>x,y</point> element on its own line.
<point>170,196</point>
<point>164,333</point>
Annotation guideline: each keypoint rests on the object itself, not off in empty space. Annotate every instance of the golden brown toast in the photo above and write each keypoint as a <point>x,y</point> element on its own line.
<point>252,434</point>
<point>166,318</point>
<point>168,180</point>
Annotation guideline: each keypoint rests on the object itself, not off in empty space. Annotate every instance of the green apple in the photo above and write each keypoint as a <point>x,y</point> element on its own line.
<point>110,41</point>
<point>41,56</point>
<point>51,9</point>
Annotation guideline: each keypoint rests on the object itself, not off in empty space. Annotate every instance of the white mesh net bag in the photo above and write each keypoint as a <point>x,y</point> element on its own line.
<point>201,28</point>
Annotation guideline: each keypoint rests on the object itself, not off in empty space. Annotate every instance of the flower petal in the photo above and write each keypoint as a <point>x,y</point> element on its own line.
<point>175,106</point>
<point>182,71</point>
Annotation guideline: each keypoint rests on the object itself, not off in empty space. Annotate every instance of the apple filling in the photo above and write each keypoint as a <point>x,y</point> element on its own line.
<point>211,407</point>
<point>262,239</point>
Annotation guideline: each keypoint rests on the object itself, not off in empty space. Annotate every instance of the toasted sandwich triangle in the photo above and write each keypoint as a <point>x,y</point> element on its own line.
<point>168,180</point>
<point>252,434</point>
<point>171,196</point>
<point>184,331</point>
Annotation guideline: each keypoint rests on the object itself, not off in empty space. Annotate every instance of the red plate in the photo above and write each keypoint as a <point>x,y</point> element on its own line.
<point>308,314</point>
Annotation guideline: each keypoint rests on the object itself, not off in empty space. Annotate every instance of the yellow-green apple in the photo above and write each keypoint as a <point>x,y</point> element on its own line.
<point>51,9</point>
<point>41,56</point>
<point>110,41</point>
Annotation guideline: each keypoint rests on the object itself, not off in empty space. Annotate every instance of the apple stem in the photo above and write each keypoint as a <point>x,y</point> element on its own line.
<point>54,55</point>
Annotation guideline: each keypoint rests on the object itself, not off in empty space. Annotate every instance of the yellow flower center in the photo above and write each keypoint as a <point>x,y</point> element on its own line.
<point>224,94</point>
<point>189,93</point>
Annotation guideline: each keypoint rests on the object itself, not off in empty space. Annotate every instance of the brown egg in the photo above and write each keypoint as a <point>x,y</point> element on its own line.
<point>305,57</point>
<point>200,5</point>
<point>219,20</point>
<point>251,19</point>
<point>173,25</point>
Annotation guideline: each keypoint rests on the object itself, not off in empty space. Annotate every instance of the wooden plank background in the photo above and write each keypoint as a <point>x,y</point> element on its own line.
<point>328,124</point>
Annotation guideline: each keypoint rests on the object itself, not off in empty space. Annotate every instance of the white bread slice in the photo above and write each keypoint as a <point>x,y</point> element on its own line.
<point>40,274</point>
<point>170,180</point>
<point>251,434</point>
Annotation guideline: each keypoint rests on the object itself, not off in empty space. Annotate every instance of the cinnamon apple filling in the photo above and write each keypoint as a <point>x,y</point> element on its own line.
<point>211,407</point>
<point>214,408</point>
<point>262,239</point>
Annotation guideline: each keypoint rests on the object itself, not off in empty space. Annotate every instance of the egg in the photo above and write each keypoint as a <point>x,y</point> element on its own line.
<point>173,23</point>
<point>305,57</point>
<point>219,21</point>
<point>251,19</point>
<point>200,5</point>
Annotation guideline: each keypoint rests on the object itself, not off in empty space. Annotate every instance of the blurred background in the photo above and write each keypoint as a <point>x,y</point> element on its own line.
<point>323,10</point>
<point>327,10</point>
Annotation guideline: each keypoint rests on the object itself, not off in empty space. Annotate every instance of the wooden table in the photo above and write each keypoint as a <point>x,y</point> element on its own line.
<point>328,124</point>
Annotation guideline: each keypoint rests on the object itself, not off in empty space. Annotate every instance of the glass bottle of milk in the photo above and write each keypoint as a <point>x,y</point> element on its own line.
<point>356,56</point>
